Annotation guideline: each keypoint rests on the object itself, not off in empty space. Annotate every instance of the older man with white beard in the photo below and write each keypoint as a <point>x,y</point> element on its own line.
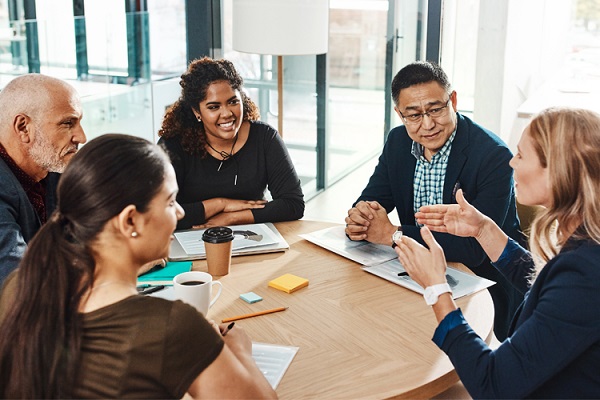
<point>40,131</point>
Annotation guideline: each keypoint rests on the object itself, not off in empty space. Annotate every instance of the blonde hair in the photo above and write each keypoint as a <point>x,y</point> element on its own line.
<point>567,142</point>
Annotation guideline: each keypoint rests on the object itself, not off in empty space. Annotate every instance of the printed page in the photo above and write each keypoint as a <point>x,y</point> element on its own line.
<point>273,360</point>
<point>334,239</point>
<point>462,284</point>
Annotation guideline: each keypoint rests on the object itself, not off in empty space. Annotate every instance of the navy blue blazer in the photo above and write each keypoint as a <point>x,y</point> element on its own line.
<point>554,346</point>
<point>478,164</point>
<point>18,219</point>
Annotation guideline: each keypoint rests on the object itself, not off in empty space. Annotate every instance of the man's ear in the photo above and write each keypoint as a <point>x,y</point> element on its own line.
<point>454,100</point>
<point>127,220</point>
<point>397,112</point>
<point>21,126</point>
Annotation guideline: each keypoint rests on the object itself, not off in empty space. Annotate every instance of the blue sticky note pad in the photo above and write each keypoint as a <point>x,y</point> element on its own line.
<point>250,297</point>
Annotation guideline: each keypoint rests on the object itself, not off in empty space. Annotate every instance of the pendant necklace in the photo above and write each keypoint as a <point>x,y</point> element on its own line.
<point>223,154</point>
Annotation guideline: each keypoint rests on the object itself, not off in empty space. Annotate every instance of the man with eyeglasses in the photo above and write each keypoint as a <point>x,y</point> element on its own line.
<point>425,161</point>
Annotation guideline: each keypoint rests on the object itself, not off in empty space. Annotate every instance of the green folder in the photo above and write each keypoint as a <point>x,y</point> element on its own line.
<point>164,276</point>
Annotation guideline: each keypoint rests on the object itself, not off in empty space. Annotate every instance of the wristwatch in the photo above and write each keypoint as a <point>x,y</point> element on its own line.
<point>397,235</point>
<point>433,292</point>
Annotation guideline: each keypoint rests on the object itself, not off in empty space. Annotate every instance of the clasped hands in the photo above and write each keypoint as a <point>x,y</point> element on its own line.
<point>368,220</point>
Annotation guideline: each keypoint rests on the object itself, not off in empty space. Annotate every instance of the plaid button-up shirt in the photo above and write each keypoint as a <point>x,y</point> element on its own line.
<point>430,175</point>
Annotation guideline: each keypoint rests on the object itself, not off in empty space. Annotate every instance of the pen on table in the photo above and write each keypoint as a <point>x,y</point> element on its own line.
<point>152,289</point>
<point>227,329</point>
<point>255,314</point>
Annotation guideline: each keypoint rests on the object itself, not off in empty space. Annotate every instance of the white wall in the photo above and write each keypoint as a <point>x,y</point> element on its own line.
<point>499,53</point>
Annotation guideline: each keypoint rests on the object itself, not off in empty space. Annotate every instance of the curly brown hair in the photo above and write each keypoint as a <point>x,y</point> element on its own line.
<point>180,120</point>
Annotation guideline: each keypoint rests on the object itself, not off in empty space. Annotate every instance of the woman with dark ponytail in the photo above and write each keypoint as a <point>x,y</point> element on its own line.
<point>71,321</point>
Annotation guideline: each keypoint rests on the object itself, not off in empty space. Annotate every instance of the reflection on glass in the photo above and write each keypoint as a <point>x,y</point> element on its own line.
<point>103,56</point>
<point>356,84</point>
<point>357,56</point>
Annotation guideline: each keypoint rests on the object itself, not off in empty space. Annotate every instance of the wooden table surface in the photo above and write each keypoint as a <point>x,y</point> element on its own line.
<point>359,336</point>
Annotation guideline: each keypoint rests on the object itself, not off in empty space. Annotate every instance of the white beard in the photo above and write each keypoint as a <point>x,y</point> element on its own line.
<point>46,155</point>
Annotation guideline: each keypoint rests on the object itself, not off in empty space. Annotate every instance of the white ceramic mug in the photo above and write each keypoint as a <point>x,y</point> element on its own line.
<point>195,288</point>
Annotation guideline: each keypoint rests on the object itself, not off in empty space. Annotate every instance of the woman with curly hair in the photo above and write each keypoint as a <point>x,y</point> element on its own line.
<point>224,158</point>
<point>553,348</point>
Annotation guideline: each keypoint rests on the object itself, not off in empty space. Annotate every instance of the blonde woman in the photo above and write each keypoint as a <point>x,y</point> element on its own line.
<point>553,348</point>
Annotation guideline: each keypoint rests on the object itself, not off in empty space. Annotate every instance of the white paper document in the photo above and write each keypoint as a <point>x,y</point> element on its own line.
<point>461,283</point>
<point>365,253</point>
<point>243,236</point>
<point>273,360</point>
<point>383,261</point>
<point>247,239</point>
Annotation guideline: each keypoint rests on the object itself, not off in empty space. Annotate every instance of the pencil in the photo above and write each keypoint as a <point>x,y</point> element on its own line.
<point>254,314</point>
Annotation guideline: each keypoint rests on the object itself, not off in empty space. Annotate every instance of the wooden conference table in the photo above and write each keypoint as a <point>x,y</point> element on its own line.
<point>359,336</point>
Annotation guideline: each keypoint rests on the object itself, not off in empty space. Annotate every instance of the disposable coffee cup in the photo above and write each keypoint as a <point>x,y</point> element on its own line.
<point>195,288</point>
<point>218,242</point>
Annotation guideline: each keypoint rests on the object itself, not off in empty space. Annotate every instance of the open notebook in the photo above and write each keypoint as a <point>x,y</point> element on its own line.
<point>247,239</point>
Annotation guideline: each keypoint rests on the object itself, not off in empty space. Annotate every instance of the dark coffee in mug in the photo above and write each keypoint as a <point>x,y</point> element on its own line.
<point>193,283</point>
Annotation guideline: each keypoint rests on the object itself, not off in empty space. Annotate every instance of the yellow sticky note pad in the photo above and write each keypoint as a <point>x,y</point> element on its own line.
<point>288,283</point>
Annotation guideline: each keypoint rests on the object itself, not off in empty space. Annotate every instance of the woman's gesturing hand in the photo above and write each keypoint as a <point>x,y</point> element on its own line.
<point>460,219</point>
<point>425,266</point>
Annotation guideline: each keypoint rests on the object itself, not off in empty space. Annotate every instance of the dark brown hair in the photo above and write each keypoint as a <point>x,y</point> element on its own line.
<point>40,335</point>
<point>180,119</point>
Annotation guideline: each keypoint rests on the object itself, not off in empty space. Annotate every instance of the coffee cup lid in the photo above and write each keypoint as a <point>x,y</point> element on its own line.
<point>218,234</point>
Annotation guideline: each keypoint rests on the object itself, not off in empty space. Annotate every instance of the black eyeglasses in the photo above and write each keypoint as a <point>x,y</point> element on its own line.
<point>417,118</point>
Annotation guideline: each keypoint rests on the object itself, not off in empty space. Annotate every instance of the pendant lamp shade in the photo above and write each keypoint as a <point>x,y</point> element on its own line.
<point>281,27</point>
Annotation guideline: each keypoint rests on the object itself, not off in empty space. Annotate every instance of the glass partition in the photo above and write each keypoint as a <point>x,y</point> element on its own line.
<point>357,58</point>
<point>109,64</point>
<point>355,108</point>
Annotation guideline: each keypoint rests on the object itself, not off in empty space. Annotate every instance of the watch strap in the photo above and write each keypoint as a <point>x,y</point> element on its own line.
<point>433,292</point>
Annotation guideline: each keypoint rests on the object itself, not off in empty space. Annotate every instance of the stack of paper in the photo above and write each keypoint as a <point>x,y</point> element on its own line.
<point>247,239</point>
<point>383,261</point>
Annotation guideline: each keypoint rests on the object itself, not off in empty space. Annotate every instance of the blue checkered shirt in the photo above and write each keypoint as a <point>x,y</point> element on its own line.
<point>429,179</point>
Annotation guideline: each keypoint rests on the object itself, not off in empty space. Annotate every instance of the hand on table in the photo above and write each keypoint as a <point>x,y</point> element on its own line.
<point>231,205</point>
<point>222,212</point>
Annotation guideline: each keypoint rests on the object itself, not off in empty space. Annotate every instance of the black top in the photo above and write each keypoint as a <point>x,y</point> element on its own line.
<point>262,163</point>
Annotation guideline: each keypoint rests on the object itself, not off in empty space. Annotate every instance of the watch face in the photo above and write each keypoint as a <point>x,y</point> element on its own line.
<point>432,293</point>
<point>397,236</point>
